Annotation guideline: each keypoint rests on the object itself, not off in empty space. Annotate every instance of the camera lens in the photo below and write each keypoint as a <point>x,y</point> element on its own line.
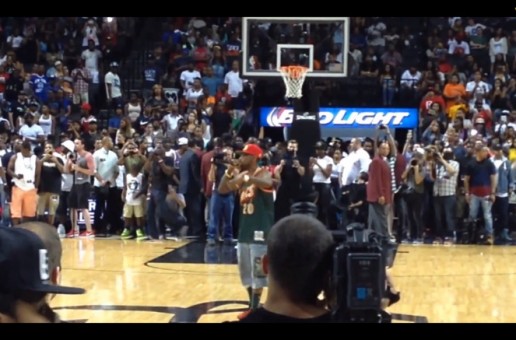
<point>413,162</point>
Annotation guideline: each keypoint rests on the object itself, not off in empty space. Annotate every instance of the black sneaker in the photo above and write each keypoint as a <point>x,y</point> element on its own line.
<point>183,232</point>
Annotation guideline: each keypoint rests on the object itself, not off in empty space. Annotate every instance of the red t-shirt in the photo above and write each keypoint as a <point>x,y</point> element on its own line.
<point>2,85</point>
<point>427,102</point>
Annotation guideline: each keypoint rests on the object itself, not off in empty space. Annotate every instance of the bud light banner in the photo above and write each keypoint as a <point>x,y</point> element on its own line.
<point>333,117</point>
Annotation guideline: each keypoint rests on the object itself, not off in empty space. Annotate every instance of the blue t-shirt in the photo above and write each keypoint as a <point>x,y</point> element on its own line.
<point>114,122</point>
<point>480,177</point>
<point>40,86</point>
<point>212,83</point>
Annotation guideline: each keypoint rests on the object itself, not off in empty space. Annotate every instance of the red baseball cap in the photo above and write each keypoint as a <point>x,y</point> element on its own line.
<point>86,106</point>
<point>253,150</point>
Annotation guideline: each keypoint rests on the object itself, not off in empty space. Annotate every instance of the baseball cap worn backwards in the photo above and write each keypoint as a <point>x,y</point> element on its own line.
<point>24,264</point>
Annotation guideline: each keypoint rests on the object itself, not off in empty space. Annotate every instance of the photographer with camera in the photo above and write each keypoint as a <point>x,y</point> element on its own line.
<point>288,173</point>
<point>412,192</point>
<point>131,155</point>
<point>445,191</point>
<point>298,265</point>
<point>221,205</point>
<point>160,170</point>
<point>52,167</point>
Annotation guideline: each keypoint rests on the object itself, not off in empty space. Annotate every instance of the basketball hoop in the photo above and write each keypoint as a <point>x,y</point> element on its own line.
<point>293,77</point>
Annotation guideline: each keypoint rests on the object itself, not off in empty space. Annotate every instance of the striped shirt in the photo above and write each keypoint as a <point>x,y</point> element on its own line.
<point>392,164</point>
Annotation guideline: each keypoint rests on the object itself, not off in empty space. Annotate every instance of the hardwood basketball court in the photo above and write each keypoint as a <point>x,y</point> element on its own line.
<point>167,281</point>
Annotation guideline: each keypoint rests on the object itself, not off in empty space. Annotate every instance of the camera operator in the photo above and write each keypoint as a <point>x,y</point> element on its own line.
<point>445,190</point>
<point>289,173</point>
<point>221,205</point>
<point>298,268</point>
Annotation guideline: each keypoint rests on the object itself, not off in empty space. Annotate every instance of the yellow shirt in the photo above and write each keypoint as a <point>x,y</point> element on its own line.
<point>452,113</point>
<point>512,155</point>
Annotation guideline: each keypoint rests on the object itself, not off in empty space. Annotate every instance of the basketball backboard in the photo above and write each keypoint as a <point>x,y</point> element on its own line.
<point>319,43</point>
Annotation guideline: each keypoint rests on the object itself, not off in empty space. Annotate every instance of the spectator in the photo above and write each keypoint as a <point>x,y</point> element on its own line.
<point>379,191</point>
<point>113,86</point>
<point>25,261</point>
<point>294,288</point>
<point>48,234</point>
<point>498,46</point>
<point>480,187</point>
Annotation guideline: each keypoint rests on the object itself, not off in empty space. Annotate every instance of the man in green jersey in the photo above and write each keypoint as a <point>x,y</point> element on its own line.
<point>254,185</point>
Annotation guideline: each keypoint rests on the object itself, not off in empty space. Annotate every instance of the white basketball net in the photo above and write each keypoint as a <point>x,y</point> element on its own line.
<point>293,77</point>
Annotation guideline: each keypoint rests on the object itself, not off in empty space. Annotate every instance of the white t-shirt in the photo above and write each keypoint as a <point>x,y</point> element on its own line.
<point>171,121</point>
<point>120,178</point>
<point>318,174</point>
<point>106,165</point>
<point>90,33</point>
<point>357,162</point>
<point>336,170</point>
<point>133,186</point>
<point>66,180</point>
<point>116,86</point>
<point>31,133</point>
<point>188,77</point>
<point>192,95</point>
<point>483,88</point>
<point>234,82</point>
<point>91,59</point>
<point>15,41</point>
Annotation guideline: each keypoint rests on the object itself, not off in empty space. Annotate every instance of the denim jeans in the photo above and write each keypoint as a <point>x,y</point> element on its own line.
<point>446,205</point>
<point>6,214</point>
<point>155,226</point>
<point>486,204</point>
<point>221,208</point>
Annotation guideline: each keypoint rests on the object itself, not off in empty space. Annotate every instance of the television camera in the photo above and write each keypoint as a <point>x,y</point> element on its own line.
<point>358,271</point>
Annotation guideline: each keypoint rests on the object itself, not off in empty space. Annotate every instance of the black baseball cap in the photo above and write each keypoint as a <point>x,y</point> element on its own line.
<point>24,264</point>
<point>496,147</point>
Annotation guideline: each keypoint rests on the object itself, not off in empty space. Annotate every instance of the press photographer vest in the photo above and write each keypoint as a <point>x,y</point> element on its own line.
<point>256,213</point>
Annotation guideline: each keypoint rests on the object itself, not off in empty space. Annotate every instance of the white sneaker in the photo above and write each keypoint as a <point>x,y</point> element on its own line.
<point>61,231</point>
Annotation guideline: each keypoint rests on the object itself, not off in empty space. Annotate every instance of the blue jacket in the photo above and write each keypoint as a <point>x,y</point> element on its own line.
<point>505,179</point>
